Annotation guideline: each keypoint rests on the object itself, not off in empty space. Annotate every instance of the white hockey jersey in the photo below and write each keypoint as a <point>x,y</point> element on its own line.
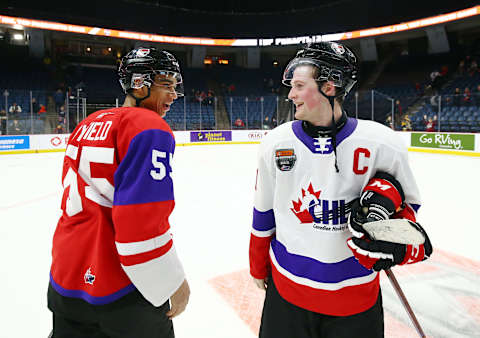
<point>301,209</point>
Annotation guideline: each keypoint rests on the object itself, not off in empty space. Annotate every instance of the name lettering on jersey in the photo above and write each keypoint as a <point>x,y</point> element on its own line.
<point>285,159</point>
<point>94,131</point>
<point>360,155</point>
<point>323,213</point>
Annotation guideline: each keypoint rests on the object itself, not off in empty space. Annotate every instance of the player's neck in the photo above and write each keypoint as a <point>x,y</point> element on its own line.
<point>129,102</point>
<point>322,131</point>
<point>324,118</point>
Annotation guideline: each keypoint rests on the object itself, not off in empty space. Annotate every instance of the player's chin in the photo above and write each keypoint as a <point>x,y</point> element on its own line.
<point>299,115</point>
<point>163,109</point>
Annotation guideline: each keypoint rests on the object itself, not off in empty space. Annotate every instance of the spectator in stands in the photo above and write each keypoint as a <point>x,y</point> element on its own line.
<point>388,122</point>
<point>418,89</point>
<point>52,117</point>
<point>15,109</point>
<point>59,99</point>
<point>239,123</point>
<point>210,97</point>
<point>467,97</point>
<point>430,124</point>
<point>267,123</point>
<point>62,114</point>
<point>437,81</point>
<point>60,129</point>
<point>3,122</point>
<point>397,112</point>
<point>457,97</point>
<point>473,68</point>
<point>274,122</point>
<point>35,106</point>
<point>231,89</point>
<point>406,124</point>
<point>444,70</point>
<point>16,128</point>
<point>461,67</point>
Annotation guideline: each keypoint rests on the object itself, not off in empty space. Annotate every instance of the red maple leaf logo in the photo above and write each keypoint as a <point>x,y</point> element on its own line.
<point>300,207</point>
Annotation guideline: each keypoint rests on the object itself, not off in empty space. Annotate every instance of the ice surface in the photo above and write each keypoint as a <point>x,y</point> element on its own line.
<point>211,227</point>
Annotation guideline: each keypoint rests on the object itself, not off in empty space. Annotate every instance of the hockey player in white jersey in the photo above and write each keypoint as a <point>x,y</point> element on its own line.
<point>320,280</point>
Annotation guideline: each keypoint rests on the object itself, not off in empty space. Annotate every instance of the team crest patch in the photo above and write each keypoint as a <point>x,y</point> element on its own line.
<point>89,278</point>
<point>142,52</point>
<point>338,48</point>
<point>285,159</point>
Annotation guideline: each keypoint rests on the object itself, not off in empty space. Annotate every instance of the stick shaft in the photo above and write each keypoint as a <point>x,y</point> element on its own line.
<point>404,301</point>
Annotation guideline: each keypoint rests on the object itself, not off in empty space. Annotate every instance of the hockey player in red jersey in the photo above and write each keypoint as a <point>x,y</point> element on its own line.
<point>115,271</point>
<point>320,280</point>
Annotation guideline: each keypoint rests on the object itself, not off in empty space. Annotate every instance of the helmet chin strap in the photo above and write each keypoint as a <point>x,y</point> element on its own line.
<point>331,99</point>
<point>139,99</point>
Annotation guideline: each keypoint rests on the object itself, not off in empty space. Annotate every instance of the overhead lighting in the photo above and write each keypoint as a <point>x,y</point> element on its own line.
<point>17,36</point>
<point>275,63</point>
<point>88,49</point>
<point>109,49</point>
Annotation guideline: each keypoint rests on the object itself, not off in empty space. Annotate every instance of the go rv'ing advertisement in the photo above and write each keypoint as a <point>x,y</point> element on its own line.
<point>443,141</point>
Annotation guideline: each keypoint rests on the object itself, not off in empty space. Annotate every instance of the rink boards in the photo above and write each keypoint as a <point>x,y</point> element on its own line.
<point>443,143</point>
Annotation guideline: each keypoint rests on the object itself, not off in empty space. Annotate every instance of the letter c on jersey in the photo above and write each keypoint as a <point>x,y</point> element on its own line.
<point>356,157</point>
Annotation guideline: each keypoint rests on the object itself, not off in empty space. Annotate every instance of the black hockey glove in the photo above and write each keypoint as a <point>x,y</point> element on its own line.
<point>379,200</point>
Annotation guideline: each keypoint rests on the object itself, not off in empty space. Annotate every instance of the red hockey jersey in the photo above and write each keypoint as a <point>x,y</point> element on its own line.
<point>113,235</point>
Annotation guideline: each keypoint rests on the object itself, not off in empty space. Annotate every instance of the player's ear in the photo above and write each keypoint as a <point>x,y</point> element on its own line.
<point>328,88</point>
<point>140,92</point>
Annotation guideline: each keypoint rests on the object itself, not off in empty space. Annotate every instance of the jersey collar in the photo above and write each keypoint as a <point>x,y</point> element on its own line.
<point>312,143</point>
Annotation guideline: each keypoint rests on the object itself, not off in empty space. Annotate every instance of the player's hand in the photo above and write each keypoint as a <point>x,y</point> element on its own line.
<point>261,283</point>
<point>179,300</point>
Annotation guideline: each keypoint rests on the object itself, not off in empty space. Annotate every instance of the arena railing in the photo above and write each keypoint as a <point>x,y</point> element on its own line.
<point>441,113</point>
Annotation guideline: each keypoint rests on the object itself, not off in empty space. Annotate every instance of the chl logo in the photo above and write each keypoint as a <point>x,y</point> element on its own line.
<point>309,208</point>
<point>89,278</point>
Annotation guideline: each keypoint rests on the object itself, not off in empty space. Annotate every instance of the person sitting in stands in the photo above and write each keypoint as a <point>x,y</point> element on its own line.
<point>430,124</point>
<point>15,109</point>
<point>467,96</point>
<point>239,123</point>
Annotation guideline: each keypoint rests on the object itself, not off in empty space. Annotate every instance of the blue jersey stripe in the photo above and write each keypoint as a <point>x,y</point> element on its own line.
<point>263,220</point>
<point>140,178</point>
<point>89,298</point>
<point>415,206</point>
<point>312,269</point>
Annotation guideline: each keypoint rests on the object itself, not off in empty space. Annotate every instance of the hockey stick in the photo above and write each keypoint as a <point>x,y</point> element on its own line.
<point>404,301</point>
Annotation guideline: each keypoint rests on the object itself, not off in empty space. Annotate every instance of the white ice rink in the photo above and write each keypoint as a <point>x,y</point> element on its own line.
<point>211,228</point>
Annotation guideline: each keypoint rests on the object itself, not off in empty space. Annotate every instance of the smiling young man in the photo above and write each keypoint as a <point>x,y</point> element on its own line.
<point>312,174</point>
<point>115,271</point>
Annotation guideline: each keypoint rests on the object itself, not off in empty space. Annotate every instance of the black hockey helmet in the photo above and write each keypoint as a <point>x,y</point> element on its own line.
<point>334,62</point>
<point>139,67</point>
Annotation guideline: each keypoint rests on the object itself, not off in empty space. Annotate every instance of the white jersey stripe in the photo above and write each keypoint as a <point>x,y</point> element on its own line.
<point>134,248</point>
<point>320,285</point>
<point>267,233</point>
